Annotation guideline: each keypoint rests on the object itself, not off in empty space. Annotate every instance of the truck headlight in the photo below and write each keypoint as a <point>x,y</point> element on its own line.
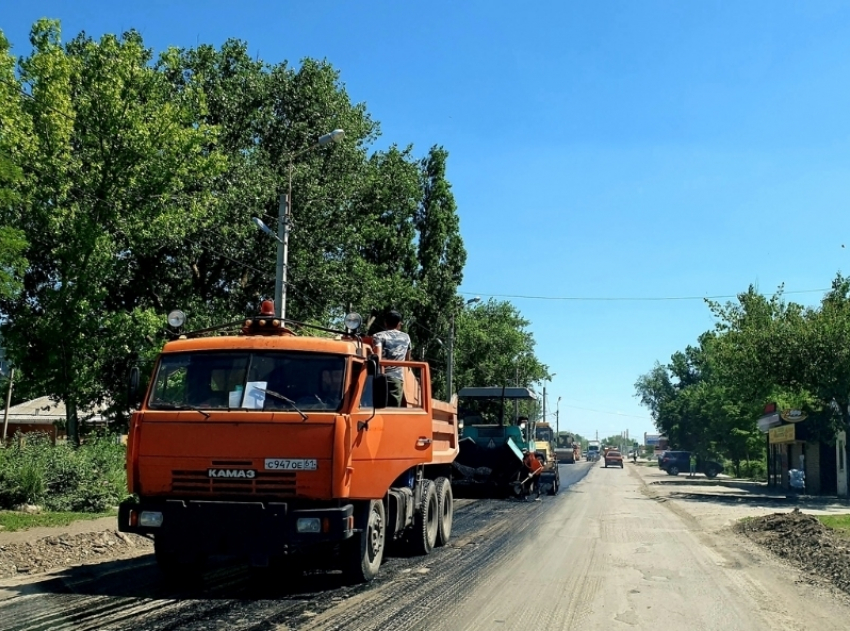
<point>308,524</point>
<point>150,519</point>
<point>353,321</point>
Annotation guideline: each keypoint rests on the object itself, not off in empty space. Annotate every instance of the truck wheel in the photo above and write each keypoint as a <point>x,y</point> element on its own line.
<point>446,502</point>
<point>423,535</point>
<point>556,484</point>
<point>711,473</point>
<point>674,470</point>
<point>364,552</point>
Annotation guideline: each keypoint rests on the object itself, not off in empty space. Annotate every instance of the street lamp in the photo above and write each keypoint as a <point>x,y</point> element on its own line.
<point>259,223</point>
<point>450,350</point>
<point>552,376</point>
<point>283,221</point>
<point>557,417</point>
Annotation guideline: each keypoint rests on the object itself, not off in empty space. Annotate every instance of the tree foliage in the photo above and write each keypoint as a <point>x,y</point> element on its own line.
<point>762,349</point>
<point>127,185</point>
<point>115,164</point>
<point>494,347</point>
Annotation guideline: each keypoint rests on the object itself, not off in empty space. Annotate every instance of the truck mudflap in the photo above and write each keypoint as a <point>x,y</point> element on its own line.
<point>211,527</point>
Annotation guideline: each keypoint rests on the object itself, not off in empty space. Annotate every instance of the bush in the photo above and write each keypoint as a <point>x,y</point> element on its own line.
<point>90,478</point>
<point>754,470</point>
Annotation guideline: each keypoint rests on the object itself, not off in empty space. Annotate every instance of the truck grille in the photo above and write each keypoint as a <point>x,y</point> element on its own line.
<point>275,483</point>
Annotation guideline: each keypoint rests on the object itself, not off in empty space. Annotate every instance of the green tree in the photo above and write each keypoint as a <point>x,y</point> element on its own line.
<point>115,165</point>
<point>441,254</point>
<point>12,137</point>
<point>762,349</point>
<point>494,347</point>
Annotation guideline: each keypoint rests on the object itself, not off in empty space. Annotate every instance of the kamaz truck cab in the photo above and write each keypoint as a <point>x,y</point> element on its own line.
<point>269,445</point>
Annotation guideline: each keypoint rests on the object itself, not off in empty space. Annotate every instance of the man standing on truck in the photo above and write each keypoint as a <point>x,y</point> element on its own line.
<point>395,345</point>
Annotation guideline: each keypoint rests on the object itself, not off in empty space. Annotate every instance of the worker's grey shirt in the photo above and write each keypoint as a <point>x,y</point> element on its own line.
<point>395,345</point>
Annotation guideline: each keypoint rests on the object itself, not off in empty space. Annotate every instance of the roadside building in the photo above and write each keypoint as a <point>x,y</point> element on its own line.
<point>792,445</point>
<point>46,416</point>
<point>654,443</point>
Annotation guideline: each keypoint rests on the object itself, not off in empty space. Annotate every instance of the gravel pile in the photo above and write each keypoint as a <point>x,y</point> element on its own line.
<point>42,555</point>
<point>804,541</point>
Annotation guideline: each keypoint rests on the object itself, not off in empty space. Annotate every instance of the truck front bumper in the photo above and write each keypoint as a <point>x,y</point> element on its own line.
<point>263,528</point>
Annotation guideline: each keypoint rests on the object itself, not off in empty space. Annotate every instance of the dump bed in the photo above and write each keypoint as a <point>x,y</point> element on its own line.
<point>444,432</point>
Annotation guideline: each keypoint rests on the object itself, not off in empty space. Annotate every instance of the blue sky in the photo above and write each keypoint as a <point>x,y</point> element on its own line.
<point>597,150</point>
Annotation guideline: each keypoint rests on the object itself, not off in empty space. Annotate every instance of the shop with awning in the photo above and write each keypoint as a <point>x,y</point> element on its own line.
<point>791,445</point>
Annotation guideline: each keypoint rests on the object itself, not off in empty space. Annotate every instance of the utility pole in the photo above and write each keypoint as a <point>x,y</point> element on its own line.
<point>557,418</point>
<point>516,401</point>
<point>284,221</point>
<point>544,402</point>
<point>284,217</point>
<point>450,351</point>
<point>450,359</point>
<point>8,403</point>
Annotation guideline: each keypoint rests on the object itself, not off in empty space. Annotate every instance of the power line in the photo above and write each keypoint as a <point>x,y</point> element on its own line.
<point>575,407</point>
<point>625,299</point>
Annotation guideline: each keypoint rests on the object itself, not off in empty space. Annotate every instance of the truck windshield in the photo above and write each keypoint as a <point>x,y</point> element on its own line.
<point>544,433</point>
<point>248,380</point>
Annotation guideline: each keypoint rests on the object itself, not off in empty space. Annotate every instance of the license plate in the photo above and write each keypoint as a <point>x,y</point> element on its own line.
<point>291,464</point>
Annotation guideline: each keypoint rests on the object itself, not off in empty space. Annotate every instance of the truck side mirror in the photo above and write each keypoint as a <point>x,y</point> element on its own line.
<point>133,387</point>
<point>372,365</point>
<point>380,391</point>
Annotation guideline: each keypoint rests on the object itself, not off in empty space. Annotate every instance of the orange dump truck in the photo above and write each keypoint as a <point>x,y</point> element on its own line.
<point>275,446</point>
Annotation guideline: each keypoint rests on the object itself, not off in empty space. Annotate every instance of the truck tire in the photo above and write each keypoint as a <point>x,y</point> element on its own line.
<point>674,470</point>
<point>711,473</point>
<point>446,503</point>
<point>426,521</point>
<point>364,552</point>
<point>556,483</point>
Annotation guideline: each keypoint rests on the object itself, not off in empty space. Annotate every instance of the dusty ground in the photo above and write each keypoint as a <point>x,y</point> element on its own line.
<point>42,549</point>
<point>631,549</point>
<point>785,524</point>
<point>722,502</point>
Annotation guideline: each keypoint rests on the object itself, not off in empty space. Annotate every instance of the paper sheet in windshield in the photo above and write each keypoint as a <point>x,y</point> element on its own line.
<point>255,395</point>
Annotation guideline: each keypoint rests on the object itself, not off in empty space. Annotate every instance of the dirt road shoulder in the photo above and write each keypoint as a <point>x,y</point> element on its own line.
<point>39,550</point>
<point>722,502</point>
<point>763,520</point>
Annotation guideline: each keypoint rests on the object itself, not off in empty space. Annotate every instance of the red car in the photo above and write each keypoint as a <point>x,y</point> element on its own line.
<point>614,459</point>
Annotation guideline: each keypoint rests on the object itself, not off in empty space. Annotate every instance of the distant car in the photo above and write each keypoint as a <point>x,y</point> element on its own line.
<point>614,459</point>
<point>676,462</point>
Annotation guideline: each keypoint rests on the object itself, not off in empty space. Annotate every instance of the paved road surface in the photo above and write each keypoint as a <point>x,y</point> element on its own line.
<point>601,555</point>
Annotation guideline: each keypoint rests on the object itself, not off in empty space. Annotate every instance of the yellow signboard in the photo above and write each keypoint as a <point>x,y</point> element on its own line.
<point>782,434</point>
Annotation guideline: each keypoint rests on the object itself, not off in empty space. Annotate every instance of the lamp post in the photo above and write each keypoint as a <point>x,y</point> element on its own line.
<point>557,418</point>
<point>450,350</point>
<point>8,403</point>
<point>283,222</point>
<point>544,394</point>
